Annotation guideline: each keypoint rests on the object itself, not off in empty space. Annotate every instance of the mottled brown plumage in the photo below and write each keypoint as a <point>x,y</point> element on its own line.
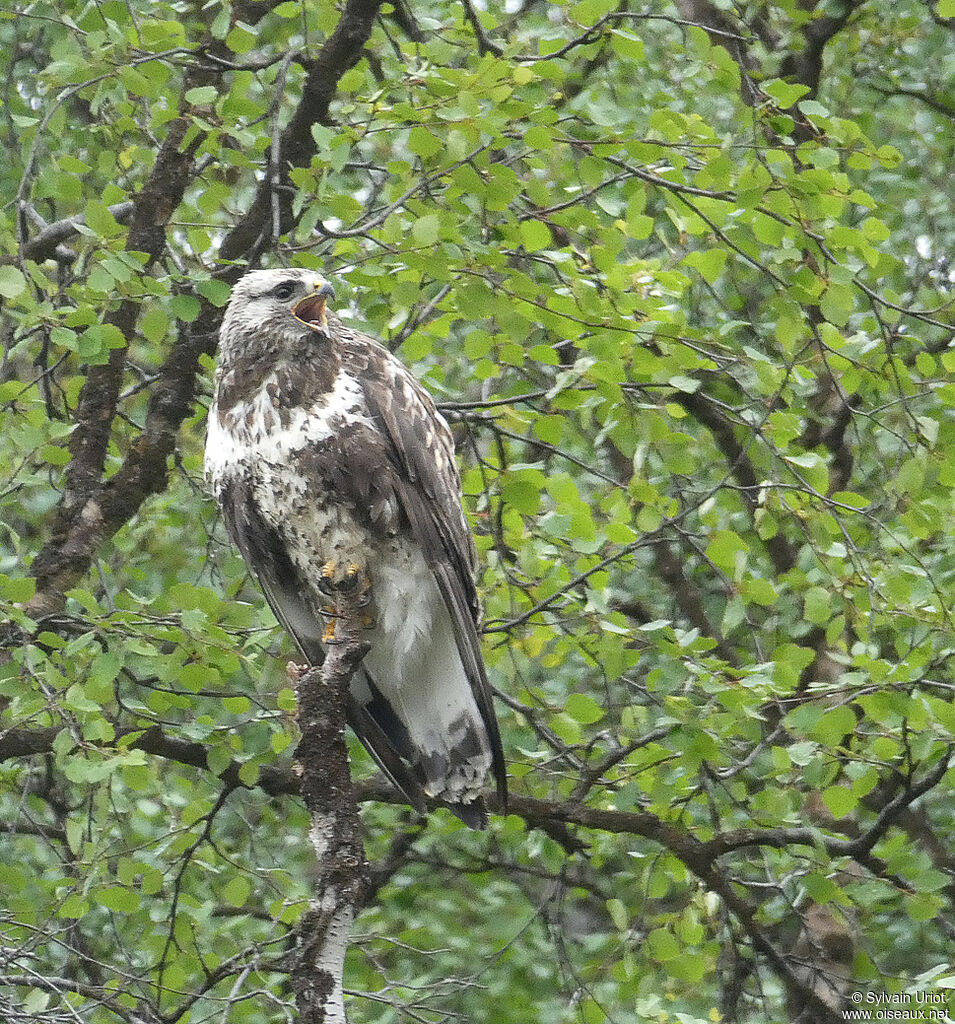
<point>323,450</point>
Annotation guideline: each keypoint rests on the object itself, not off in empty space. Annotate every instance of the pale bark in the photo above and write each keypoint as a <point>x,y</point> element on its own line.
<point>322,757</point>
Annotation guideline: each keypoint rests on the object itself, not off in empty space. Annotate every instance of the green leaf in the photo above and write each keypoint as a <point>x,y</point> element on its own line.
<point>709,264</point>
<point>689,385</point>
<point>727,550</point>
<point>813,108</point>
<point>422,142</point>
<point>820,888</point>
<point>101,221</point>
<point>12,282</point>
<point>583,709</point>
<point>875,230</point>
<point>118,898</point>
<point>201,94</point>
<point>280,741</point>
<point>628,46</point>
<point>286,700</point>
<point>218,759</point>
<point>36,1001</point>
<point>240,40</point>
<point>193,676</point>
<point>74,906</point>
<point>759,591</point>
<point>816,605</point>
<point>522,494</point>
<point>618,914</point>
<point>103,672</point>
<point>813,469</point>
<point>923,906</point>
<point>839,800</point>
<point>185,307</point>
<point>55,455</point>
<point>425,229</point>
<point>566,728</point>
<point>834,726</point>
<point>784,93</point>
<point>237,891</point>
<point>154,324</point>
<point>535,235</point>
<point>662,944</point>
<point>17,589</point>
<point>98,339</point>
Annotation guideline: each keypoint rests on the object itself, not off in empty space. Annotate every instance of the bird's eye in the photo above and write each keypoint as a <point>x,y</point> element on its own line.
<point>285,290</point>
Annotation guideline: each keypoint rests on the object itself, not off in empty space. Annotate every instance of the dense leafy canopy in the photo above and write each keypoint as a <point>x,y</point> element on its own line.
<point>677,275</point>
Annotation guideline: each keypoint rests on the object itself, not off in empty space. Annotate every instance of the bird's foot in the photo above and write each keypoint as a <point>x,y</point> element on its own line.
<point>348,578</point>
<point>343,582</point>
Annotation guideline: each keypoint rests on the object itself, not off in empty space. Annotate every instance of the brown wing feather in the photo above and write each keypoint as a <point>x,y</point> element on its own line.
<point>266,555</point>
<point>428,487</point>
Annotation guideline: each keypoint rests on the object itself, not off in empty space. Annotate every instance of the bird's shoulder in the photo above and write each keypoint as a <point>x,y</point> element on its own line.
<point>393,392</point>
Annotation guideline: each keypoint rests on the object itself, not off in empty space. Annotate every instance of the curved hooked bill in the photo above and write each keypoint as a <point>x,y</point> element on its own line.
<point>312,309</point>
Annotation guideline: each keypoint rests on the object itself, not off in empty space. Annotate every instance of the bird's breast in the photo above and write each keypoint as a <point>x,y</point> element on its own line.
<point>264,430</point>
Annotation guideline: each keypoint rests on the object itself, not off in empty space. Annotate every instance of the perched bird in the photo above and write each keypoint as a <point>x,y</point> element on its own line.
<point>327,457</point>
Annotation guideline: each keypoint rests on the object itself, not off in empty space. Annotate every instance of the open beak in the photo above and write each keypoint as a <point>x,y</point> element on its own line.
<point>312,309</point>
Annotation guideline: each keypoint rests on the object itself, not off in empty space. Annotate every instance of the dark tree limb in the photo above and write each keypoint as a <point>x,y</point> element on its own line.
<point>932,100</point>
<point>81,527</point>
<point>723,31</point>
<point>707,414</point>
<point>96,409</point>
<point>340,53</point>
<point>79,515</point>
<point>805,65</point>
<point>277,781</point>
<point>485,43</point>
<point>44,245</point>
<point>322,757</point>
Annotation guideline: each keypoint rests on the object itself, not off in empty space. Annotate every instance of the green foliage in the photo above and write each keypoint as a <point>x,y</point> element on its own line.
<point>696,353</point>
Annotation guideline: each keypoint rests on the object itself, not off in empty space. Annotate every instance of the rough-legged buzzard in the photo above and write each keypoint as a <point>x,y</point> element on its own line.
<point>327,456</point>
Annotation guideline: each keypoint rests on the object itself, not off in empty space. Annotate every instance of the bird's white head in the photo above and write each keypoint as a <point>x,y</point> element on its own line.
<point>278,304</point>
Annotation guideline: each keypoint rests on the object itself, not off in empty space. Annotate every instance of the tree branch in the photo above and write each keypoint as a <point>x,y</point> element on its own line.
<point>332,799</point>
<point>805,65</point>
<point>341,52</point>
<point>79,510</point>
<point>43,245</point>
<point>724,436</point>
<point>279,781</point>
<point>95,511</point>
<point>336,833</point>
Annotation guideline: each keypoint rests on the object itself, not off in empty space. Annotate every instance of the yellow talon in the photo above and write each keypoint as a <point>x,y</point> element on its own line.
<point>350,578</point>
